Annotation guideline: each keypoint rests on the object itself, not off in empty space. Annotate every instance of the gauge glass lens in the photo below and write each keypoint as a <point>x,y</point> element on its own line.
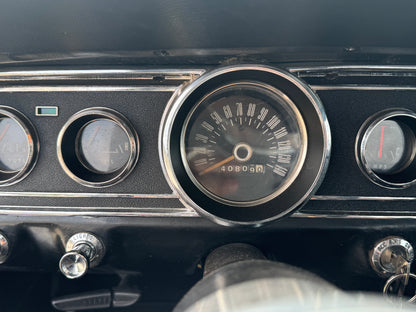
<point>244,144</point>
<point>14,146</point>
<point>103,146</point>
<point>388,148</point>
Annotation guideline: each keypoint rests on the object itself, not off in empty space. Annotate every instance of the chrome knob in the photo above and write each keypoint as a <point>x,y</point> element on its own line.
<point>4,248</point>
<point>83,250</point>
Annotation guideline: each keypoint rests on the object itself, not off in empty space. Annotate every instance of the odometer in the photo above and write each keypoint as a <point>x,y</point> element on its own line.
<point>244,143</point>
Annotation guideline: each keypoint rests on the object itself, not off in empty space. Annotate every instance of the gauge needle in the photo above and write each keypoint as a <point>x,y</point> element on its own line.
<point>218,164</point>
<point>380,152</point>
<point>4,132</point>
<point>93,135</point>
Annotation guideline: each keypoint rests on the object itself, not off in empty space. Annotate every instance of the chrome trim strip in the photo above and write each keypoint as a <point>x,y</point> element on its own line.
<point>352,67</point>
<point>361,198</point>
<point>363,88</point>
<point>96,211</point>
<point>90,195</point>
<point>112,74</point>
<point>89,89</point>
<point>349,215</point>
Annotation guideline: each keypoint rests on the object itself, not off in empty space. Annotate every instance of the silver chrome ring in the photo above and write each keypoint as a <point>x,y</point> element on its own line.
<point>393,279</point>
<point>174,106</point>
<point>121,121</point>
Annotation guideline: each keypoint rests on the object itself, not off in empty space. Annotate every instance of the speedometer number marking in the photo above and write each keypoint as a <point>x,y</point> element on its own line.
<point>245,149</point>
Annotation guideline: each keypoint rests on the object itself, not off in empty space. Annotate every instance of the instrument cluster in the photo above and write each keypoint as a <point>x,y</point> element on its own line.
<point>240,145</point>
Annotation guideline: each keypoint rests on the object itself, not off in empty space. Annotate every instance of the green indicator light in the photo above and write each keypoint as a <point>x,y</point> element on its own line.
<point>46,111</point>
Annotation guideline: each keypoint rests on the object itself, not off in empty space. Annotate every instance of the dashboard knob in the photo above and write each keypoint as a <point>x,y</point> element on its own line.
<point>4,248</point>
<point>83,250</point>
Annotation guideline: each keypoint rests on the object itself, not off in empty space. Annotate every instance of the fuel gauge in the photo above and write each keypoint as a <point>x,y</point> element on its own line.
<point>386,148</point>
<point>98,147</point>
<point>103,146</point>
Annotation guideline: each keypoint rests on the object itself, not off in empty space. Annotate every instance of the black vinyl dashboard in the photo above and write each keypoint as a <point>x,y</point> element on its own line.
<point>149,91</point>
<point>155,132</point>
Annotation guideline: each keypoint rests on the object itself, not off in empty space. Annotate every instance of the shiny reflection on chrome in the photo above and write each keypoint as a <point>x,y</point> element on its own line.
<point>19,146</point>
<point>83,251</point>
<point>385,148</point>
<point>96,170</point>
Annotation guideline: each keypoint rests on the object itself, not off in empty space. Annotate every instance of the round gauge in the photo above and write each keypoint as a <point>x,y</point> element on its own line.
<point>234,144</point>
<point>14,146</point>
<point>98,147</point>
<point>389,147</point>
<point>241,136</point>
<point>386,148</point>
<point>19,146</point>
<point>103,146</point>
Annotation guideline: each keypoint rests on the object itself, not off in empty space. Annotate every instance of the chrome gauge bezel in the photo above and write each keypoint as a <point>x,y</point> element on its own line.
<point>406,117</point>
<point>12,177</point>
<point>288,181</point>
<point>67,148</point>
<point>304,185</point>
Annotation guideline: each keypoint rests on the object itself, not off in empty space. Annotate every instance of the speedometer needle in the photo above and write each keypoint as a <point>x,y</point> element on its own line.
<point>218,164</point>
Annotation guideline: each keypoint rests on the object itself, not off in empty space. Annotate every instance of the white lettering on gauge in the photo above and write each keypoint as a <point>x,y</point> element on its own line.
<point>284,158</point>
<point>201,137</point>
<point>279,170</point>
<point>273,122</point>
<point>249,169</point>
<point>239,109</point>
<point>207,126</point>
<point>284,145</point>
<point>201,162</point>
<point>217,118</point>
<point>227,111</point>
<point>251,110</point>
<point>263,113</point>
<point>280,133</point>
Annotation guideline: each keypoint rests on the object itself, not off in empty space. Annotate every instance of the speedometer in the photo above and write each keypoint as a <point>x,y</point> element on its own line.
<point>244,143</point>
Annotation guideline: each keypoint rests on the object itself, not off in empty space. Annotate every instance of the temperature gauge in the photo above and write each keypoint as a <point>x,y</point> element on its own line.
<point>386,148</point>
<point>389,147</point>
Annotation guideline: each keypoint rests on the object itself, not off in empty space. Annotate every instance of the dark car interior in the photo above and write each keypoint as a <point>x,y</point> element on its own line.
<point>207,155</point>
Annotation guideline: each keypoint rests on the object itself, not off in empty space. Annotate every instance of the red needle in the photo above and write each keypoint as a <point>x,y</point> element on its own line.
<point>380,152</point>
<point>4,132</point>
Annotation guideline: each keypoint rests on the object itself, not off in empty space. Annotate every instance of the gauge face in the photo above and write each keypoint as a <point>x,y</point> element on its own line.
<point>14,146</point>
<point>243,144</point>
<point>103,146</point>
<point>388,147</point>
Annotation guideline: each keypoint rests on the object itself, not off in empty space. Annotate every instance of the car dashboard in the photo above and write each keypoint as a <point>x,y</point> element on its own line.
<point>103,121</point>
